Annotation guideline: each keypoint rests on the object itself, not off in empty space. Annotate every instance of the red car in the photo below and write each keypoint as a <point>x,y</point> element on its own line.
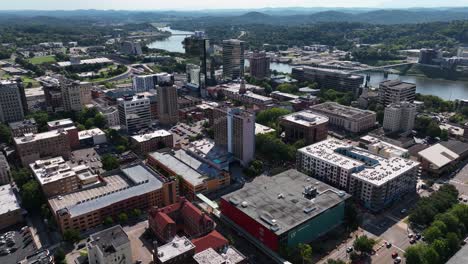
<point>394,254</point>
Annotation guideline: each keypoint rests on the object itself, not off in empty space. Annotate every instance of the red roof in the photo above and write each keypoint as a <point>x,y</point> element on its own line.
<point>162,220</point>
<point>212,240</point>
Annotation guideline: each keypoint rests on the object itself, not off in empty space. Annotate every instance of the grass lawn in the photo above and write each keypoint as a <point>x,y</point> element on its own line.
<point>40,60</point>
<point>27,80</point>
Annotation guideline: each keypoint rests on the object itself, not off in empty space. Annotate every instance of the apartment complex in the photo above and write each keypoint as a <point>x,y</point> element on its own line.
<point>32,147</point>
<point>20,128</point>
<point>145,143</point>
<point>259,66</point>
<point>304,125</point>
<point>234,131</point>
<point>196,175</point>
<point>12,101</point>
<point>396,91</point>
<point>286,209</point>
<point>345,117</point>
<point>233,59</point>
<point>330,78</point>
<point>132,186</point>
<point>57,177</point>
<point>109,246</point>
<point>375,180</point>
<point>134,113</point>
<point>10,209</point>
<point>399,117</point>
<point>5,174</point>
<point>168,108</point>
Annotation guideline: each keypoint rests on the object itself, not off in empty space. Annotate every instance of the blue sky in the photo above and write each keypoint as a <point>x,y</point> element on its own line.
<point>216,4</point>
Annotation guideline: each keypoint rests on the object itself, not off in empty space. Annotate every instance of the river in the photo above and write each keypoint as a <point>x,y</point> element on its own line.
<point>448,90</point>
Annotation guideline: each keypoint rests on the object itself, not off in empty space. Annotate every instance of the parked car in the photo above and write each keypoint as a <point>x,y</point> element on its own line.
<point>397,260</point>
<point>349,249</point>
<point>394,255</point>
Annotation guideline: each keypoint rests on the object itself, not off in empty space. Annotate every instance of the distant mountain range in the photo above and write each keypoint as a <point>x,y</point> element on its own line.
<point>278,16</point>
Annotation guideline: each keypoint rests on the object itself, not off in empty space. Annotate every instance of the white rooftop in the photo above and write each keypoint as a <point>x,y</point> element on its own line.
<point>89,61</point>
<point>306,118</point>
<point>177,247</point>
<point>372,168</point>
<point>438,155</point>
<point>8,201</point>
<point>210,256</point>
<point>149,136</point>
<point>261,129</point>
<point>61,122</point>
<point>27,138</point>
<point>90,133</point>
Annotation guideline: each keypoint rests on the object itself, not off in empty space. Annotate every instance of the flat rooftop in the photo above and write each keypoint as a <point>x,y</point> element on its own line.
<point>8,200</point>
<point>130,181</point>
<point>335,72</point>
<point>25,123</point>
<point>189,168</point>
<point>33,92</point>
<point>341,110</point>
<point>368,167</point>
<point>439,155</point>
<point>261,129</point>
<point>88,61</point>
<point>177,247</point>
<point>149,136</point>
<point>279,203</point>
<point>306,118</point>
<point>60,123</point>
<point>28,138</point>
<point>108,240</point>
<point>398,85</point>
<point>210,256</point>
<point>90,133</point>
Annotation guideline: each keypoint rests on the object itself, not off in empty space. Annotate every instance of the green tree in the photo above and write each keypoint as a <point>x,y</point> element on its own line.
<point>21,176</point>
<point>287,88</point>
<point>100,120</point>
<point>433,129</point>
<point>5,134</point>
<point>31,195</point>
<point>274,149</point>
<point>108,221</point>
<point>305,251</point>
<point>364,244</point>
<point>135,213</point>
<point>109,162</point>
<point>441,247</point>
<point>335,261</point>
<point>444,135</point>
<point>270,116</point>
<point>123,217</point>
<point>59,256</point>
<point>414,254</point>
<point>89,123</point>
<point>71,235</point>
<point>453,243</point>
<point>431,256</point>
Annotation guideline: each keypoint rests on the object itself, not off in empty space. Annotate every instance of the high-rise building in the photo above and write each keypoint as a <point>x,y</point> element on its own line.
<point>12,101</point>
<point>427,56</point>
<point>52,93</point>
<point>32,147</point>
<point>396,91</point>
<point>168,109</point>
<point>134,113</point>
<point>259,66</point>
<point>5,175</point>
<point>131,48</point>
<point>330,79</point>
<point>234,130</point>
<point>233,59</point>
<point>143,83</point>
<point>85,93</point>
<point>373,179</point>
<point>193,74</point>
<point>199,46</point>
<point>399,117</point>
<point>71,95</point>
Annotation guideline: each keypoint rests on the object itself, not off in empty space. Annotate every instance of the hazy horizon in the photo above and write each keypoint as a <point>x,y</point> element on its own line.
<point>139,5</point>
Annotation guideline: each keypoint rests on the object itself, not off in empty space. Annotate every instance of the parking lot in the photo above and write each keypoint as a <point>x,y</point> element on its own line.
<point>15,246</point>
<point>88,157</point>
<point>183,132</point>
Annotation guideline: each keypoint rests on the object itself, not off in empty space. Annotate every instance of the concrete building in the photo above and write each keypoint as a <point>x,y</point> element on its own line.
<point>111,114</point>
<point>10,209</point>
<point>438,159</point>
<point>179,250</point>
<point>242,93</point>
<point>382,148</point>
<point>12,101</point>
<point>131,48</point>
<point>52,93</point>
<point>374,180</point>
<point>20,128</point>
<point>229,255</point>
<point>72,95</point>
<point>110,246</point>
<point>345,117</point>
<point>32,147</point>
<point>396,91</point>
<point>234,130</point>
<point>57,177</point>
<point>233,59</point>
<point>145,143</point>
<point>92,137</point>
<point>134,113</point>
<point>259,66</point>
<point>286,209</point>
<point>399,118</point>
<point>304,125</point>
<point>134,186</point>
<point>427,56</point>
<point>330,79</point>
<point>5,174</point>
<point>143,83</point>
<point>35,98</point>
<point>168,108</point>
<point>85,93</point>
<point>196,175</point>
<point>61,123</point>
